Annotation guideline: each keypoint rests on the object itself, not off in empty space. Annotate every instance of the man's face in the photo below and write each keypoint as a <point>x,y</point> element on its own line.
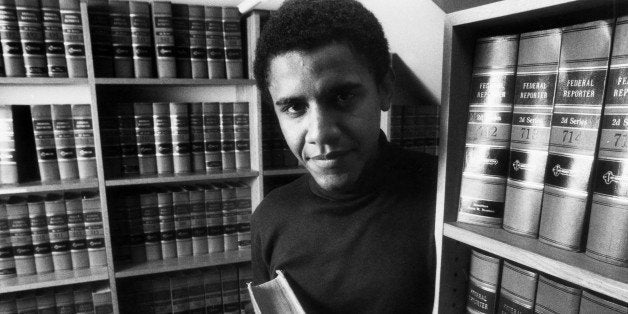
<point>328,106</point>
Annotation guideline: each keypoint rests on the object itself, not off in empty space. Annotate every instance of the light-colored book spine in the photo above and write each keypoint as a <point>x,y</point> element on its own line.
<point>72,26</point>
<point>141,39</point>
<point>198,46</point>
<point>213,290</point>
<point>76,230</point>
<point>32,37</point>
<point>197,143</point>
<point>10,39</point>
<point>94,231</point>
<point>163,137</point>
<point>164,39</point>
<point>45,301</point>
<point>241,136</point>
<point>64,300</point>
<point>181,28</point>
<point>182,223</point>
<point>64,141</point>
<point>21,237</point>
<point>120,21</point>
<point>243,212</point>
<point>227,140</point>
<point>517,290</point>
<point>592,302</point>
<point>57,219</point>
<point>145,134</point>
<point>101,297</point>
<point>84,140</point>
<point>233,42</point>
<point>7,262</point>
<point>150,224</point>
<point>215,42</point>
<point>483,283</point>
<point>229,217</point>
<point>53,38</point>
<point>556,296</point>
<point>39,230</point>
<point>198,220</point>
<point>43,131</point>
<point>166,224</point>
<point>211,130</point>
<point>180,125</point>
<point>213,214</point>
<point>8,160</point>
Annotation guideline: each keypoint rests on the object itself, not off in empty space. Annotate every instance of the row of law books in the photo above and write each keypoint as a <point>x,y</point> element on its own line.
<point>165,40</point>
<point>275,151</point>
<point>213,290</point>
<point>42,234</point>
<point>501,286</point>
<point>412,129</point>
<point>145,138</point>
<point>547,138</point>
<point>156,223</point>
<point>83,298</point>
<point>46,142</point>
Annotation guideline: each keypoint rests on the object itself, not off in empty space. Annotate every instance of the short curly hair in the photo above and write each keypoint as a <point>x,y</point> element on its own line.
<point>305,25</point>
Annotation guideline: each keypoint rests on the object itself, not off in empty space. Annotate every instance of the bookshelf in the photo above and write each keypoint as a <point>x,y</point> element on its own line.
<point>461,31</point>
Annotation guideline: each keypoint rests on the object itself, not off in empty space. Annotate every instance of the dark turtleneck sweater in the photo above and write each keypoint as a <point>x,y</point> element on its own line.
<point>368,251</point>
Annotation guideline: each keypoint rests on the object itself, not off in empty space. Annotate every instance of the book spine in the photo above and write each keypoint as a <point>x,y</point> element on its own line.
<point>53,38</point>
<point>7,304</point>
<point>531,124</point>
<point>100,29</point>
<point>230,289</point>
<point>119,229</point>
<point>245,275</point>
<point>198,46</point>
<point>163,137</point>
<point>591,302</point>
<point>76,231</point>
<point>21,236</point>
<point>164,39</point>
<point>129,149</point>
<point>32,37</point>
<point>160,289</point>
<point>215,43</point>
<point>136,230</point>
<point>182,221</point>
<point>181,28</point>
<point>211,130</point>
<point>233,42</point>
<point>150,225</point>
<point>241,135</point>
<point>608,225</point>
<point>518,289</point>
<point>110,142</point>
<point>142,300</point>
<point>229,217</point>
<point>141,39</point>
<point>84,141</point>
<point>39,231</point>
<point>64,300</point>
<point>213,214</point>
<point>72,26</point>
<point>101,298</point>
<point>196,292</point>
<point>227,140</point>
<point>120,21</point>
<point>46,301</point>
<point>483,184</point>
<point>8,161</point>
<point>57,220</point>
<point>197,144</point>
<point>243,216</point>
<point>43,131</point>
<point>7,262</point>
<point>145,138</point>
<point>553,296</point>
<point>483,283</point>
<point>180,124</point>
<point>83,299</point>
<point>573,139</point>
<point>64,141</point>
<point>94,230</point>
<point>180,294</point>
<point>213,291</point>
<point>26,303</point>
<point>10,39</point>
<point>198,220</point>
<point>166,224</point>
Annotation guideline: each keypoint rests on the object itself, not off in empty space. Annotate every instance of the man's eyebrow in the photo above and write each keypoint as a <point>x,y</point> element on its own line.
<point>287,101</point>
<point>342,86</point>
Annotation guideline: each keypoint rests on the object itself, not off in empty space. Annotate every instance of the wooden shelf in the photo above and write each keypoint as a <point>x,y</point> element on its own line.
<point>576,268</point>
<point>183,263</point>
<point>54,186</point>
<point>42,81</point>
<point>283,172</point>
<point>181,178</point>
<point>58,278</point>
<point>172,81</point>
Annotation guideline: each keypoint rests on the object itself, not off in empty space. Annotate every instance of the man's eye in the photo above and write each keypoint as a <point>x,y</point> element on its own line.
<point>293,109</point>
<point>344,98</point>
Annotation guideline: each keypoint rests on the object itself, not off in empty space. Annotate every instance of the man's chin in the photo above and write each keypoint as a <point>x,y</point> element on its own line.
<point>334,182</point>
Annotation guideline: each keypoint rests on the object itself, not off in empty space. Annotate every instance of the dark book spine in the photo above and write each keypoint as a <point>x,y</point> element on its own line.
<point>94,230</point>
<point>531,124</point>
<point>214,42</point>
<point>10,39</point>
<point>83,299</point>
<point>141,39</point>
<point>100,29</point>
<point>64,300</point>
<point>211,130</point>
<point>166,224</point>
<point>182,222</point>
<point>198,45</point>
<point>179,290</point>
<point>245,275</point>
<point>160,288</point>
<point>181,28</point>
<point>8,161</point>
<point>227,140</point>
<point>180,124</point>
<point>483,283</point>
<point>53,38</point>
<point>243,216</point>
<point>213,215</point>
<point>72,26</point>
<point>7,262</point>
<point>32,37</point>
<point>120,21</point>
<point>129,150</point>
<point>84,140</point>
<point>233,42</point>
<point>229,217</point>
<point>163,35</point>
<point>554,296</point>
<point>145,134</point>
<point>230,289</point>
<point>198,221</point>
<point>518,289</point>
<point>46,301</point>
<point>608,225</point>
<point>76,231</point>
<point>57,220</point>
<point>26,302</point>
<point>483,183</point>
<point>163,137</point>
<point>213,291</point>
<point>574,135</point>
<point>101,298</point>
<point>119,229</point>
<point>110,140</point>
<point>64,141</point>
<point>591,302</point>
<point>197,140</point>
<point>39,230</point>
<point>43,131</point>
<point>241,136</point>
<point>21,236</point>
<point>150,225</point>
<point>136,231</point>
<point>196,292</point>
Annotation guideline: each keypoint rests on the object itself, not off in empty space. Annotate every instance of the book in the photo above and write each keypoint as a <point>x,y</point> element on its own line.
<point>100,30</point>
<point>232,35</point>
<point>166,224</point>
<point>163,137</point>
<point>122,46</point>
<point>198,45</point>
<point>119,228</point>
<point>160,286</point>
<point>129,149</point>
<point>163,35</point>
<point>150,224</point>
<point>180,293</point>
<point>21,236</point>
<point>39,231</point>
<point>230,289</point>
<point>517,289</point>
<point>7,262</point>
<point>43,132</point>
<point>46,301</point>
<point>101,298</point>
<point>84,140</point>
<point>213,214</point>
<point>229,216</point>
<point>141,39</point>
<point>245,275</point>
<point>213,290</point>
<point>76,230</point>
<point>83,302</point>
<point>26,302</point>
<point>227,139</point>
<point>62,121</point>
<point>180,130</point>
<point>483,285</point>
<point>197,143</point>
<point>275,296</point>
<point>196,292</point>
<point>535,84</point>
<point>241,136</point>
<point>607,236</point>
<point>73,41</point>
<point>212,137</point>
<point>136,230</point>
<point>243,215</point>
<point>32,37</point>
<point>574,135</point>
<point>145,133</point>
<point>198,222</point>
<point>10,39</point>
<point>94,230</point>
<point>7,304</point>
<point>57,220</point>
<point>555,296</point>
<point>182,221</point>
<point>110,141</point>
<point>215,43</point>
<point>181,28</point>
<point>483,184</point>
<point>64,300</point>
<point>591,302</point>
<point>53,39</point>
<point>8,160</point>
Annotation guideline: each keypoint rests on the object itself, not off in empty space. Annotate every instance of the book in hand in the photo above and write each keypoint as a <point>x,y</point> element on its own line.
<point>275,296</point>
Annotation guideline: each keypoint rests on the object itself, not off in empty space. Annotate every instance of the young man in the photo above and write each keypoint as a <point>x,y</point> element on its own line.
<point>355,234</point>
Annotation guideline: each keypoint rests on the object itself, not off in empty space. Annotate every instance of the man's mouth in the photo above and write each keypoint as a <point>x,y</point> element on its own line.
<point>330,156</point>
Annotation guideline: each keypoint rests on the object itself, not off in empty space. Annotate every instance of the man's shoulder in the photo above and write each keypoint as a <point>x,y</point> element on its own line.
<point>417,165</point>
<point>281,201</point>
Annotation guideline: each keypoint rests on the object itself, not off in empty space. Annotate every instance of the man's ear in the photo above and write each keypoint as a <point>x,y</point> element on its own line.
<point>386,89</point>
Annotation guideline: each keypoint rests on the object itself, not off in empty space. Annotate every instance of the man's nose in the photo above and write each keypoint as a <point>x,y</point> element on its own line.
<point>323,128</point>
